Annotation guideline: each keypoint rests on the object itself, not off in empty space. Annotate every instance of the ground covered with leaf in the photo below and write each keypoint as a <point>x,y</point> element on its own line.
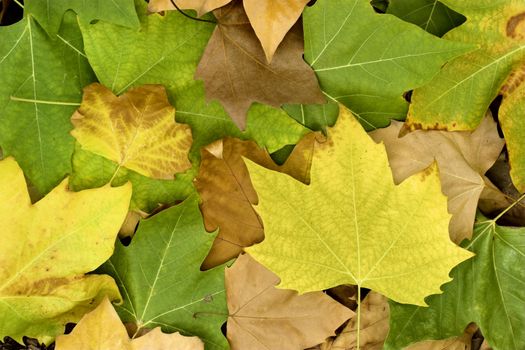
<point>262,174</point>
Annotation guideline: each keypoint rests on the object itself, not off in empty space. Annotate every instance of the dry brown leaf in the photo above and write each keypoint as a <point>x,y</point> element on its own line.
<point>235,70</point>
<point>462,342</point>
<point>227,194</point>
<point>201,6</point>
<point>264,317</point>
<point>102,329</point>
<point>463,157</point>
<point>272,19</point>
<point>374,326</point>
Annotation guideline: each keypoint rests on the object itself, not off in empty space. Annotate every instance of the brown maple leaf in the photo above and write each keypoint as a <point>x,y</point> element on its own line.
<point>235,70</point>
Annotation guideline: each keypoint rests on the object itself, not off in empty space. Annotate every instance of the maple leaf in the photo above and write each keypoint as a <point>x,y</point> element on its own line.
<point>457,97</point>
<point>37,97</point>
<point>367,60</point>
<point>486,289</point>
<point>235,71</point>
<point>160,272</point>
<point>102,329</point>
<point>166,51</point>
<point>462,157</point>
<point>431,15</point>
<point>227,194</point>
<point>358,228</point>
<point>135,130</point>
<point>49,13</point>
<point>265,317</point>
<point>46,250</point>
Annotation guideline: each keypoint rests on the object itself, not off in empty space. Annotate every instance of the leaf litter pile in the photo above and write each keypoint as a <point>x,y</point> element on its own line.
<point>262,174</point>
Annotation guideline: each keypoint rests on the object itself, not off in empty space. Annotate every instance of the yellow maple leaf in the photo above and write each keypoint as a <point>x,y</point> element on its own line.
<point>102,329</point>
<point>48,247</point>
<point>353,225</point>
<point>137,130</point>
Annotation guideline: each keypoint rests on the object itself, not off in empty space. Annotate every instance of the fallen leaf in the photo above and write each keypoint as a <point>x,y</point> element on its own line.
<point>102,329</point>
<point>487,289</point>
<point>235,71</point>
<point>160,272</point>
<point>48,247</point>
<point>366,60</point>
<point>358,227</point>
<point>264,317</point>
<point>459,95</point>
<point>227,194</point>
<point>462,157</point>
<point>373,326</point>
<point>136,130</point>
<point>201,6</point>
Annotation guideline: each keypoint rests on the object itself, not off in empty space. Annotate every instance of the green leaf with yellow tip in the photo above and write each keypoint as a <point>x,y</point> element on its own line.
<point>352,225</point>
<point>48,247</point>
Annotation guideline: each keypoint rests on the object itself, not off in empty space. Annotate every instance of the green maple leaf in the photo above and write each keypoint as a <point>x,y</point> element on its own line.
<point>166,51</point>
<point>431,15</point>
<point>48,73</point>
<point>488,290</point>
<point>366,60</point>
<point>160,278</point>
<point>49,13</point>
<point>458,97</point>
<point>352,225</point>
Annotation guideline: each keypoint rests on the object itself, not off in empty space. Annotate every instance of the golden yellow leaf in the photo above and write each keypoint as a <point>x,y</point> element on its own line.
<point>48,247</point>
<point>201,6</point>
<point>137,130</point>
<point>102,329</point>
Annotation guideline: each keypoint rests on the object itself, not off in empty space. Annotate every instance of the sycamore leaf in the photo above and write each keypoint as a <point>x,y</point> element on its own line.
<point>166,51</point>
<point>431,15</point>
<point>40,69</point>
<point>201,6</point>
<point>488,290</point>
<point>457,97</point>
<point>135,130</point>
<point>46,250</point>
<point>462,158</point>
<point>373,326</point>
<point>264,317</point>
<point>367,60</point>
<point>160,274</point>
<point>227,194</point>
<point>102,329</point>
<point>235,71</point>
<point>358,228</point>
<point>49,13</point>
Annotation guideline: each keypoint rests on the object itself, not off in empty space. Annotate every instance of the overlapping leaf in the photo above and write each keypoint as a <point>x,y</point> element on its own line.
<point>102,329</point>
<point>46,250</point>
<point>352,225</point>
<point>463,159</point>
<point>367,61</point>
<point>457,98</point>
<point>227,194</point>
<point>488,290</point>
<point>48,73</point>
<point>136,130</point>
<point>264,317</point>
<point>159,274</point>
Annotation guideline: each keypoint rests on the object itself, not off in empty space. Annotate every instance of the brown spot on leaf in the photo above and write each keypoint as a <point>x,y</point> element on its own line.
<point>516,26</point>
<point>514,80</point>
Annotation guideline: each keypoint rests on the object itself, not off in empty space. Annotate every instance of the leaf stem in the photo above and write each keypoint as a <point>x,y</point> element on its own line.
<point>191,17</point>
<point>18,3</point>
<point>44,102</point>
<point>509,207</point>
<point>358,329</point>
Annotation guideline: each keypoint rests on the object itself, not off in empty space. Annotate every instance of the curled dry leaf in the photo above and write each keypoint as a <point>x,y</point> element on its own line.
<point>264,317</point>
<point>102,329</point>
<point>235,71</point>
<point>137,130</point>
<point>462,158</point>
<point>227,194</point>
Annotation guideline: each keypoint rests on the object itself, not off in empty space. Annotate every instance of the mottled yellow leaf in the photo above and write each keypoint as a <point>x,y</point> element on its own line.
<point>46,250</point>
<point>352,224</point>
<point>201,6</point>
<point>102,329</point>
<point>136,130</point>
